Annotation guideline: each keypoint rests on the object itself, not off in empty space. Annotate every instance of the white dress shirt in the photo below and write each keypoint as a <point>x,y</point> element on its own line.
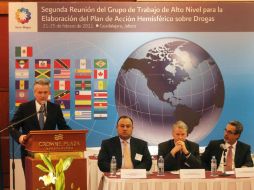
<point>221,166</point>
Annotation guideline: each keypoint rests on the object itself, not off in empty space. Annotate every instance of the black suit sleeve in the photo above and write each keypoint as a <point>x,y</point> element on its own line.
<point>194,160</point>
<point>243,156</point>
<point>170,162</point>
<point>19,115</point>
<point>207,156</point>
<point>103,159</point>
<point>109,147</point>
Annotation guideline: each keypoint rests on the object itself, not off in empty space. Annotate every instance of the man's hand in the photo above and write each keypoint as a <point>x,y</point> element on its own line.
<point>179,146</point>
<point>23,139</point>
<point>183,147</point>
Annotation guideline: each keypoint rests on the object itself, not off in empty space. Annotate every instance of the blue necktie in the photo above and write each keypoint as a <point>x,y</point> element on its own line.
<point>41,117</point>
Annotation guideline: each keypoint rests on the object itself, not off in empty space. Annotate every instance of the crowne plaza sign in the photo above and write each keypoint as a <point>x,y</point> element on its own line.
<point>56,141</point>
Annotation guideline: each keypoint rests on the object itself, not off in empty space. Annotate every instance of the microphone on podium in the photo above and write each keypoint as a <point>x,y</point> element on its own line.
<point>12,125</point>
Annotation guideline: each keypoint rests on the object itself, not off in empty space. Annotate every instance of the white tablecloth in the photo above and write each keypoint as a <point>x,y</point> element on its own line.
<point>178,184</point>
<point>94,174</point>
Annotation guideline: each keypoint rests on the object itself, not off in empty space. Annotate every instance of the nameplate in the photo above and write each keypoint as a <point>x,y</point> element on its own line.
<point>192,173</point>
<point>133,173</point>
<point>244,172</point>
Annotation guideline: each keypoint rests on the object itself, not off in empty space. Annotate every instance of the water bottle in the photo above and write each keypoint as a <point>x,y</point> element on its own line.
<point>113,166</point>
<point>160,166</point>
<point>213,166</point>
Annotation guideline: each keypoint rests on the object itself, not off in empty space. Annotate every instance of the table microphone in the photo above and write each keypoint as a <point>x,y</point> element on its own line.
<point>223,147</point>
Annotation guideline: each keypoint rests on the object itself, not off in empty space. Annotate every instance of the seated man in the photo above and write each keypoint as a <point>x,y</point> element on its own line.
<point>179,153</point>
<point>129,152</point>
<point>237,153</point>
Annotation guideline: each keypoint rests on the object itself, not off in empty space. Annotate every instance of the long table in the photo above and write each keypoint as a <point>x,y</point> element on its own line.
<point>172,182</point>
<point>94,174</point>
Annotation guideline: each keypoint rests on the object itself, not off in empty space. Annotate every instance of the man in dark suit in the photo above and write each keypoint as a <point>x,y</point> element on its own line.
<point>179,153</point>
<point>52,116</point>
<point>241,152</point>
<point>139,154</point>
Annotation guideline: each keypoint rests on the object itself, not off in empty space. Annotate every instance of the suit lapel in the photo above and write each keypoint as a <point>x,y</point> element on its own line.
<point>118,150</point>
<point>133,150</point>
<point>220,151</point>
<point>187,144</point>
<point>48,111</point>
<point>237,153</point>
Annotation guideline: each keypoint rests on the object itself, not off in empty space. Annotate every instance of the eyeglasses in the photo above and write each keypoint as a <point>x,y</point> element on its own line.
<point>230,132</point>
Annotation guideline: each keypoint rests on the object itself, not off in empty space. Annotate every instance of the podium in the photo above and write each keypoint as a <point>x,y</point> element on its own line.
<point>56,144</point>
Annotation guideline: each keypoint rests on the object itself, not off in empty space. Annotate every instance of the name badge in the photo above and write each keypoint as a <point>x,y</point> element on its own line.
<point>192,173</point>
<point>138,157</point>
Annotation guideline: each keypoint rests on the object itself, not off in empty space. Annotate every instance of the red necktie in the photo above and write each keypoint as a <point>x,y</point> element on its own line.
<point>229,159</point>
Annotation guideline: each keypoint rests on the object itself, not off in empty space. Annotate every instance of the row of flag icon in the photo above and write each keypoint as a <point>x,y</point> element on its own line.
<point>83,92</point>
<point>88,104</point>
<point>21,78</point>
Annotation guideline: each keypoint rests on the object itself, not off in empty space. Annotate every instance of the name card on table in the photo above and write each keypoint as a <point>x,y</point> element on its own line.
<point>192,173</point>
<point>133,173</point>
<point>244,172</point>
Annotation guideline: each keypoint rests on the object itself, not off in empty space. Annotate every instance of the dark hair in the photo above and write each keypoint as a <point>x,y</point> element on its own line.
<point>238,126</point>
<point>124,117</point>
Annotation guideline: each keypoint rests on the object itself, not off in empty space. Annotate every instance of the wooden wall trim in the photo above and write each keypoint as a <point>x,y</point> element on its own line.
<point>3,8</point>
<point>4,89</point>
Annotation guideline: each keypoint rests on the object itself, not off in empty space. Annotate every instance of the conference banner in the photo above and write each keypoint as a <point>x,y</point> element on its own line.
<point>157,62</point>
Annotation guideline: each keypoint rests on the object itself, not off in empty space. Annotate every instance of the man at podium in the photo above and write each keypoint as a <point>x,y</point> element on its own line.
<point>38,114</point>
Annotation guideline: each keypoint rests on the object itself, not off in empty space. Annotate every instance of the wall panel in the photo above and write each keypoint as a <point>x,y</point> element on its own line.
<point>4,95</point>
